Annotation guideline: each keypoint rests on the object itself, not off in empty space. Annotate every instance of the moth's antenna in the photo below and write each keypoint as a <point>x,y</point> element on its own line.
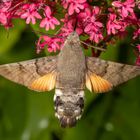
<point>101,49</point>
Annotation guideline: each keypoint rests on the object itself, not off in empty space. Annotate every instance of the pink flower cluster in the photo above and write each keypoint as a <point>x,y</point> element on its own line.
<point>98,24</point>
<point>53,43</point>
<point>28,11</point>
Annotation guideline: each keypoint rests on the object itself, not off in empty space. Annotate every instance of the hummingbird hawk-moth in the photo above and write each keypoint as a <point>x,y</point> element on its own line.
<point>69,73</point>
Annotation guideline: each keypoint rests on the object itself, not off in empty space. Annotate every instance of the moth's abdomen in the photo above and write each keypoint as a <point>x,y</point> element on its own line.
<point>69,104</point>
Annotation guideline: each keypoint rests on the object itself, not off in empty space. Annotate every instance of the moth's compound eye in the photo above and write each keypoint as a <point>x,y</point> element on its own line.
<point>80,102</point>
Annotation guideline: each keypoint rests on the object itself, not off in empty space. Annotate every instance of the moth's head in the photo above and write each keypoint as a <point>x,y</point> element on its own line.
<point>68,107</point>
<point>73,37</point>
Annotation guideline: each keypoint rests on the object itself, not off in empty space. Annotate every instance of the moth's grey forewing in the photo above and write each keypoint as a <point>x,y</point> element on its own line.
<point>27,71</point>
<point>70,82</point>
<point>115,73</point>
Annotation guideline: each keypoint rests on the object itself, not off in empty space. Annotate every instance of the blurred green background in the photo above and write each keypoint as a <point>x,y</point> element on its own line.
<point>28,115</point>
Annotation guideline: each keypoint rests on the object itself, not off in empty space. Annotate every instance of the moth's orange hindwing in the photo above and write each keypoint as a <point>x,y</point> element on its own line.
<point>44,83</point>
<point>97,84</point>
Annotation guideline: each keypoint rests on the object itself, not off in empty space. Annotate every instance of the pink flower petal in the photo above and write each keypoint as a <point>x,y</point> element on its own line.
<point>33,20</point>
<point>52,26</point>
<point>28,20</point>
<point>48,11</point>
<point>124,12</point>
<point>81,1</point>
<point>47,26</point>
<point>43,22</point>
<point>88,27</point>
<point>96,10</point>
<point>117,3</point>
<point>71,9</point>
<point>37,15</point>
<point>25,15</point>
<point>55,21</point>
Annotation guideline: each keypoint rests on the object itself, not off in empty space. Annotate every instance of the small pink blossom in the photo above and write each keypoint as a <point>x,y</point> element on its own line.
<point>5,6</point>
<point>84,18</point>
<point>96,36</point>
<point>113,25</point>
<point>76,5</point>
<point>69,25</point>
<point>124,8</point>
<point>85,15</point>
<point>92,26</point>
<point>65,3</point>
<point>136,34</point>
<point>94,30</point>
<point>49,21</point>
<point>67,28</point>
<point>4,14</point>
<point>30,13</point>
<point>73,5</point>
<point>53,44</point>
